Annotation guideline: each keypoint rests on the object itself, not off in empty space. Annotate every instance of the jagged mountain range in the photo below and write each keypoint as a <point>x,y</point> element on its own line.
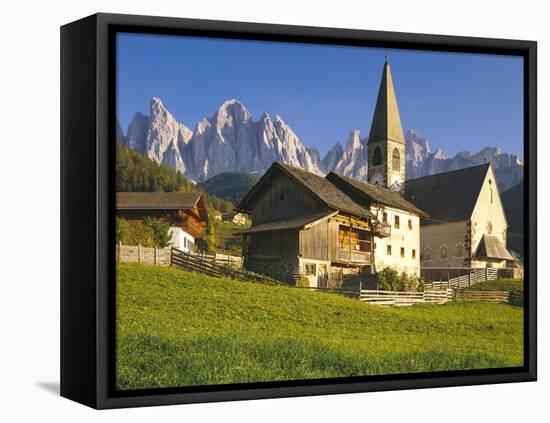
<point>231,140</point>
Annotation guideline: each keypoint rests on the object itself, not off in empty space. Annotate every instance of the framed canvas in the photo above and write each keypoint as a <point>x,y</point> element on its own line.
<point>254,211</point>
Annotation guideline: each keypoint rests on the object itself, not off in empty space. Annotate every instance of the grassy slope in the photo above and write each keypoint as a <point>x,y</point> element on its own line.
<point>510,285</point>
<point>179,329</point>
<point>226,241</point>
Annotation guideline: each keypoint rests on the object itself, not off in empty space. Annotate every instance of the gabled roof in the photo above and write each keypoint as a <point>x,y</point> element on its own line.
<point>373,193</point>
<point>386,123</point>
<point>449,196</point>
<point>156,200</point>
<point>321,188</point>
<point>491,247</point>
<point>281,225</point>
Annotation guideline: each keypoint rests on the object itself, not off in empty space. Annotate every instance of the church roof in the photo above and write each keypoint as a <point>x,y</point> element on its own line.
<point>491,247</point>
<point>449,196</point>
<point>374,193</point>
<point>386,123</point>
<point>321,188</point>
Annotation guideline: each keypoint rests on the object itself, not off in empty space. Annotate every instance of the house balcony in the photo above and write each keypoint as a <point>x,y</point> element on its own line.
<point>354,256</point>
<point>382,230</point>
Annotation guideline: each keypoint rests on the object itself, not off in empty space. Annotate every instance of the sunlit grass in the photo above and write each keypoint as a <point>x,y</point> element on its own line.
<point>176,328</point>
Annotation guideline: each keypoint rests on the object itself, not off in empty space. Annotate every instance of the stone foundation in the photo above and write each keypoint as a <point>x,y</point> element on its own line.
<point>283,269</point>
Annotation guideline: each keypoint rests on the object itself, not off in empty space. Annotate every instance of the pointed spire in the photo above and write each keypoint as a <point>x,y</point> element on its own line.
<point>386,123</point>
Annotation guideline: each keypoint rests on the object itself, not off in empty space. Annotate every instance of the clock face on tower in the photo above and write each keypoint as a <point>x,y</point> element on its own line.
<point>377,179</point>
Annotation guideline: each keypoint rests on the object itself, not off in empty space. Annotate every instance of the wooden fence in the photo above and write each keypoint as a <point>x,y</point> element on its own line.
<point>208,265</point>
<point>483,296</point>
<point>405,298</point>
<point>145,255</point>
<point>460,277</point>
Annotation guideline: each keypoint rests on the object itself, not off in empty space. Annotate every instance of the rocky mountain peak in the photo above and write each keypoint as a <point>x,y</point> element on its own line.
<point>231,112</point>
<point>231,140</point>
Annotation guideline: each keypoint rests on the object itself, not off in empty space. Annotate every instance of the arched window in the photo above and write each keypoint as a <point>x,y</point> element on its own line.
<point>443,252</point>
<point>427,255</point>
<point>377,157</point>
<point>396,158</point>
<point>460,250</point>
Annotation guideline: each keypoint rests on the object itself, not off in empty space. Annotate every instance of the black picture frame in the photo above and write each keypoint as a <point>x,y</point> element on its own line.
<point>87,208</point>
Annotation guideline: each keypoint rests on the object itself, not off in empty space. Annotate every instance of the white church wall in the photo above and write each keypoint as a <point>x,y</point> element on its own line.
<point>488,216</point>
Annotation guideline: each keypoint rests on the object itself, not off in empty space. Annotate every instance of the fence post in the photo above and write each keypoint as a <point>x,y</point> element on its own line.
<point>155,253</point>
<point>139,253</point>
<point>119,245</point>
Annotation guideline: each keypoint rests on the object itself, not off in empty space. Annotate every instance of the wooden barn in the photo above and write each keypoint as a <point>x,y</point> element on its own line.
<point>304,226</point>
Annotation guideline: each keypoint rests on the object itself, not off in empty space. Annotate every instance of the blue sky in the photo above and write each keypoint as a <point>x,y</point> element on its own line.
<point>458,101</point>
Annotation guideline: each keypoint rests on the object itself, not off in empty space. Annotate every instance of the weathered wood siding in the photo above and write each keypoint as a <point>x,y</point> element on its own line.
<point>333,239</point>
<point>274,244</point>
<point>284,200</point>
<point>314,242</point>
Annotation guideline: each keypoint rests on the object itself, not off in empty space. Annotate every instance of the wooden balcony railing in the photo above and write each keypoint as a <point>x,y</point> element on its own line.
<point>354,256</point>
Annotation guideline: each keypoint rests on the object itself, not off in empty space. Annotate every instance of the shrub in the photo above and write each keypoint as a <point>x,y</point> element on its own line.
<point>303,282</point>
<point>148,233</point>
<point>389,280</point>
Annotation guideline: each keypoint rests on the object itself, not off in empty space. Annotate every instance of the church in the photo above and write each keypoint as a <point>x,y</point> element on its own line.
<point>320,230</point>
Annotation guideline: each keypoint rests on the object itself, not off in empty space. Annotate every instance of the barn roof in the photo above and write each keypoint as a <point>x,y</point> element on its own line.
<point>321,188</point>
<point>281,225</point>
<point>491,247</point>
<point>374,193</point>
<point>449,196</point>
<point>156,200</point>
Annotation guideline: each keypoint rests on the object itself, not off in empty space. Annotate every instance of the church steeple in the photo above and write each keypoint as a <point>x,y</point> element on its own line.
<point>386,143</point>
<point>386,123</point>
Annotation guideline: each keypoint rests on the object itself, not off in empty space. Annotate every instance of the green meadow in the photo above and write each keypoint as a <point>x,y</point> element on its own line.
<point>176,328</point>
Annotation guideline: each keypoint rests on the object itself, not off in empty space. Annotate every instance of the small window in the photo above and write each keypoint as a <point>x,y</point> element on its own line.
<point>460,250</point>
<point>310,269</point>
<point>413,253</point>
<point>377,157</point>
<point>443,252</point>
<point>396,222</point>
<point>388,250</point>
<point>410,224</point>
<point>402,252</point>
<point>491,194</point>
<point>384,217</point>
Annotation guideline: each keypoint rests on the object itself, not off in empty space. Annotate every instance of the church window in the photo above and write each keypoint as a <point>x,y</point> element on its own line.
<point>396,223</point>
<point>460,250</point>
<point>388,250</point>
<point>413,253</point>
<point>377,157</point>
<point>443,252</point>
<point>410,224</point>
<point>491,194</point>
<point>427,254</point>
<point>396,158</point>
<point>384,217</point>
<point>402,252</point>
<point>489,228</point>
